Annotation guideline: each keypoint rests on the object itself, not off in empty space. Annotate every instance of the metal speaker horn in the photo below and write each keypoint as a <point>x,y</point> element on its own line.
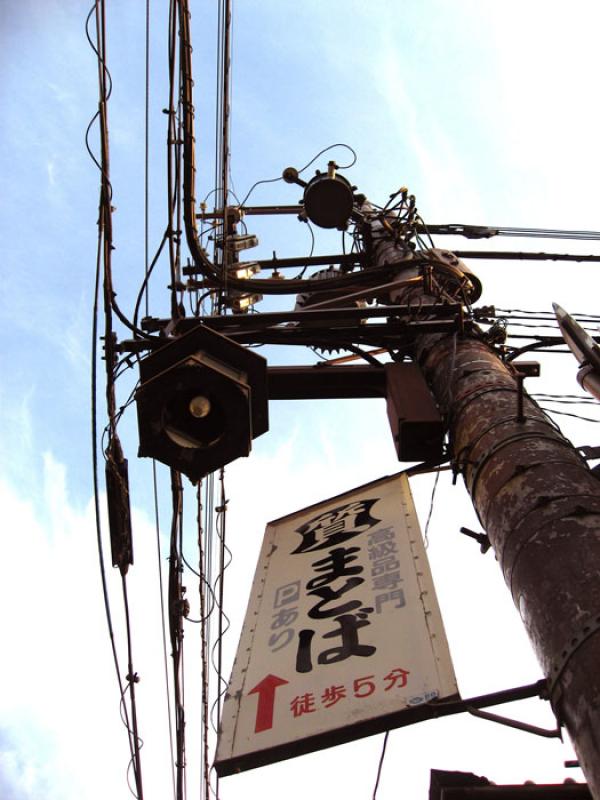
<point>202,399</point>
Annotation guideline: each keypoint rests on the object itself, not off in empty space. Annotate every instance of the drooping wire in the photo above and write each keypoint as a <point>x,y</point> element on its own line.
<point>585,317</point>
<point>567,399</point>
<point>203,587</point>
<point>132,679</point>
<point>223,622</point>
<point>305,167</point>
<point>568,414</point>
<point>177,610</point>
<point>430,514</point>
<point>258,183</point>
<point>96,484</point>
<point>143,292</point>
<point>103,267</point>
<point>380,765</point>
<point>312,250</point>
<point>449,395</point>
<point>326,150</point>
<point>163,623</point>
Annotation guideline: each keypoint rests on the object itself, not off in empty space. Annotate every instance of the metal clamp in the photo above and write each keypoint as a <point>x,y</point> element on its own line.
<point>575,642</point>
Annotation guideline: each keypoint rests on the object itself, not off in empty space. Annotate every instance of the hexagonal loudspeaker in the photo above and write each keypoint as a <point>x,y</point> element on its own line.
<point>202,399</point>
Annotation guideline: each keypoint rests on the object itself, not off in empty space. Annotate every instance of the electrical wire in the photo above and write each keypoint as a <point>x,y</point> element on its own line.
<point>381,759</point>
<point>258,183</point>
<point>103,267</point>
<point>569,399</point>
<point>548,233</point>
<point>326,150</point>
<point>300,275</point>
<point>146,153</point>
<point>173,162</point>
<point>163,623</point>
<point>96,486</point>
<point>203,586</point>
<point>430,514</point>
<point>132,679</point>
<point>580,316</point>
<point>225,559</point>
<point>176,611</point>
<point>487,232</point>
<point>144,287</point>
<point>569,414</point>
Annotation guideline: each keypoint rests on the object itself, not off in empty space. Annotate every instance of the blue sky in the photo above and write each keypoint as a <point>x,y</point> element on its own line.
<point>487,112</point>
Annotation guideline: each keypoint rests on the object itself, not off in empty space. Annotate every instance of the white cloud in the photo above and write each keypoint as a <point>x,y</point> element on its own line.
<point>63,687</point>
<point>51,172</point>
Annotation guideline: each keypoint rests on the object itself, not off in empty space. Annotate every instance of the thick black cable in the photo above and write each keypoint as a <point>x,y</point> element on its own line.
<point>103,256</point>
<point>147,154</point>
<point>95,477</point>
<point>544,342</point>
<point>144,287</point>
<point>201,260</point>
<point>211,271</point>
<point>370,359</point>
<point>173,183</point>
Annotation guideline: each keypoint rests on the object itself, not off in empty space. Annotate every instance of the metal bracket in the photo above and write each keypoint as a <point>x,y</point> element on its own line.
<point>554,733</point>
<point>520,400</point>
<point>484,542</point>
<point>589,452</point>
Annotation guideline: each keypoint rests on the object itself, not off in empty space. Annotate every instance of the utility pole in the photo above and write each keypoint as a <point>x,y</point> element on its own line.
<point>539,505</point>
<point>535,496</point>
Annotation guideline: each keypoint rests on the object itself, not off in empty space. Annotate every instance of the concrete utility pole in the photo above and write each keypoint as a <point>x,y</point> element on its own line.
<point>539,504</point>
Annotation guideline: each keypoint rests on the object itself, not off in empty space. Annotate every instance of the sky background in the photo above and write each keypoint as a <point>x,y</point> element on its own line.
<point>488,113</point>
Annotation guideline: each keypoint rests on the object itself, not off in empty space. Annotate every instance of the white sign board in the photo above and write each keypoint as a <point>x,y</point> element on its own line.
<point>343,636</point>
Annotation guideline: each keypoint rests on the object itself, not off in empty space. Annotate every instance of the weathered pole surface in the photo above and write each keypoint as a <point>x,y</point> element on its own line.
<point>539,504</point>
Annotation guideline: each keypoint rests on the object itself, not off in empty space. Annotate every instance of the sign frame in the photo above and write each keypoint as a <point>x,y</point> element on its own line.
<point>315,538</point>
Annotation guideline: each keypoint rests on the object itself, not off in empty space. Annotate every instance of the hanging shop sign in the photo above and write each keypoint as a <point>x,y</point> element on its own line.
<point>343,636</point>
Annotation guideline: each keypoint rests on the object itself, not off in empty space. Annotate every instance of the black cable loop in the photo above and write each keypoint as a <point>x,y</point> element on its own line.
<point>465,399</point>
<point>537,345</point>
<point>467,449</point>
<point>325,150</point>
<point>552,423</point>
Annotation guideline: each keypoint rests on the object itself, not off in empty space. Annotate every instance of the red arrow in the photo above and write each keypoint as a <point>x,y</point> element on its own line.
<point>266,701</point>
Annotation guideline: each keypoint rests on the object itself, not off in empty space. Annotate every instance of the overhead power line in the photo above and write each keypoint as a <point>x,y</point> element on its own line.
<point>488,231</point>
